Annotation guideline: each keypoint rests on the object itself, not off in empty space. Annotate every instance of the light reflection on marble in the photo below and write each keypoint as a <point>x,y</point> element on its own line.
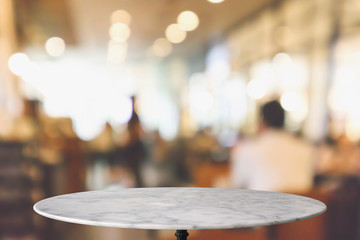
<point>179,208</point>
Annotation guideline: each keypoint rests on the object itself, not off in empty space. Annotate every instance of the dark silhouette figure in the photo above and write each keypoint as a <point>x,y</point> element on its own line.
<point>134,150</point>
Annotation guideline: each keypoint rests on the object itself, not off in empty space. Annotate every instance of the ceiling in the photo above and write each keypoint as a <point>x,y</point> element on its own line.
<point>90,21</point>
<point>85,23</point>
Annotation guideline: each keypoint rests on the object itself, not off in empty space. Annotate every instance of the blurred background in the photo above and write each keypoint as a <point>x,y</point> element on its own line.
<point>138,93</point>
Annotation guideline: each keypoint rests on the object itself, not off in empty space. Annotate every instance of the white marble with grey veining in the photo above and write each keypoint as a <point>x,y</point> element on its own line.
<point>179,208</point>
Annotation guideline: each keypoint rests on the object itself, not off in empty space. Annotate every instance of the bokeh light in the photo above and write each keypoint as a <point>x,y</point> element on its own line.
<point>87,130</point>
<point>175,34</point>
<point>119,32</point>
<point>281,59</point>
<point>291,101</point>
<point>218,66</point>
<point>235,93</point>
<point>117,52</point>
<point>121,16</point>
<point>215,1</point>
<point>18,63</point>
<point>256,89</point>
<point>162,47</point>
<point>188,20</point>
<point>123,111</point>
<point>202,105</point>
<point>343,95</point>
<point>55,46</point>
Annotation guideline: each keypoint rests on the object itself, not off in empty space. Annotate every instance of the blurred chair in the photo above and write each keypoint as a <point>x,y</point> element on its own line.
<point>16,214</point>
<point>343,210</point>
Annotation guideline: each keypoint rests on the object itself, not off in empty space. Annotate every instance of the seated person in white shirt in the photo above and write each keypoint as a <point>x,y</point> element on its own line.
<point>275,160</point>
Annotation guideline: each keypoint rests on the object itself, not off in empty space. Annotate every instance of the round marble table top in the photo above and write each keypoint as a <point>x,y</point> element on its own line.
<point>179,208</point>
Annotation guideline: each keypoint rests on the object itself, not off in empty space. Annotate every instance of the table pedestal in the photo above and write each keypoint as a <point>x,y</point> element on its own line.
<point>181,234</point>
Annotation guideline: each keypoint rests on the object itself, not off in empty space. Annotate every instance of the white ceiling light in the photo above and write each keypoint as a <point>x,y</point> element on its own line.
<point>18,63</point>
<point>175,34</point>
<point>55,46</point>
<point>291,101</point>
<point>256,89</point>
<point>215,1</point>
<point>188,20</point>
<point>119,32</point>
<point>121,16</point>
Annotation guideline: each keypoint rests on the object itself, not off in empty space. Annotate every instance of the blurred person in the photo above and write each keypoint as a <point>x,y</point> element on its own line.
<point>275,160</point>
<point>134,150</point>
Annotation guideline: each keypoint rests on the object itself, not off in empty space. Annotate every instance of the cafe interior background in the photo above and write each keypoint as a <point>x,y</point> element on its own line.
<point>80,79</point>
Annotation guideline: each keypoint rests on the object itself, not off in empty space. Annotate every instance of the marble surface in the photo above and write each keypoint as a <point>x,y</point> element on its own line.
<point>179,208</point>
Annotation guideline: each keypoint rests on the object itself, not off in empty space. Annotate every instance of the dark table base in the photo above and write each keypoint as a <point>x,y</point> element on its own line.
<point>181,234</point>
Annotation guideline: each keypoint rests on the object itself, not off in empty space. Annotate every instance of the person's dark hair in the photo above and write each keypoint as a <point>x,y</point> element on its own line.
<point>273,114</point>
